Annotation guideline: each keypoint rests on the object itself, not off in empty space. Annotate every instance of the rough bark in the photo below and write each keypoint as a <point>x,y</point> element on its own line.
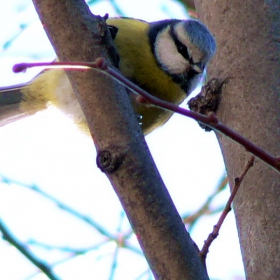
<point>248,39</point>
<point>122,151</point>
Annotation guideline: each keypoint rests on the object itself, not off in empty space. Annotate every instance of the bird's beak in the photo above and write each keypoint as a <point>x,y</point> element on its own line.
<point>197,68</point>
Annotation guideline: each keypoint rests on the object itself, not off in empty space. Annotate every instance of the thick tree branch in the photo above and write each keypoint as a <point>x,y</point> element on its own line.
<point>122,152</point>
<point>249,55</point>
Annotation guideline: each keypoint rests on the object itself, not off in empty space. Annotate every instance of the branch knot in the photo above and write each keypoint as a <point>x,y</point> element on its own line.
<point>109,161</point>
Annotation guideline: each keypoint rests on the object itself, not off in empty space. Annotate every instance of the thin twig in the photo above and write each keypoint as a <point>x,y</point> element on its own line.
<point>119,244</point>
<point>211,120</point>
<point>66,250</point>
<point>27,253</point>
<point>215,232</point>
<point>61,205</point>
<point>72,254</point>
<point>74,212</point>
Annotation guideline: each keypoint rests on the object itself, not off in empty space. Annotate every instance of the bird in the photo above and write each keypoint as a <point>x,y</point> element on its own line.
<point>166,58</point>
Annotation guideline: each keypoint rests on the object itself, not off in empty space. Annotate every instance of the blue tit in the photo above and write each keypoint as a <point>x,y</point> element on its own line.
<point>166,58</point>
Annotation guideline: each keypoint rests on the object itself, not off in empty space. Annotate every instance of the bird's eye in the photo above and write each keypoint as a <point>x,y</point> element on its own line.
<point>183,50</point>
<point>180,48</point>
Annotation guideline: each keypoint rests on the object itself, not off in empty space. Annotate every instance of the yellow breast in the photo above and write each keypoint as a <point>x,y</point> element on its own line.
<point>137,63</point>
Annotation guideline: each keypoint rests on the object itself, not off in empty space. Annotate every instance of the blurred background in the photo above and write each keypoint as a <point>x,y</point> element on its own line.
<point>56,203</point>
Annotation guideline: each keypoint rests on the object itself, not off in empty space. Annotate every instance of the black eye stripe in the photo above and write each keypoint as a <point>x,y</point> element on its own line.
<point>182,49</point>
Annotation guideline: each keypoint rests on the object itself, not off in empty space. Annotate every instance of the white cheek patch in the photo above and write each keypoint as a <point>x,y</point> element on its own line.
<point>167,54</point>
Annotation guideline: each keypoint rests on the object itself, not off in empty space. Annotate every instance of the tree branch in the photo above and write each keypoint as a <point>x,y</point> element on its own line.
<point>249,53</point>
<point>214,234</point>
<point>78,36</point>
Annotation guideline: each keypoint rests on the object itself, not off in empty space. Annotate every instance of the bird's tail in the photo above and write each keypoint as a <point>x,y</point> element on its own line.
<point>10,100</point>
